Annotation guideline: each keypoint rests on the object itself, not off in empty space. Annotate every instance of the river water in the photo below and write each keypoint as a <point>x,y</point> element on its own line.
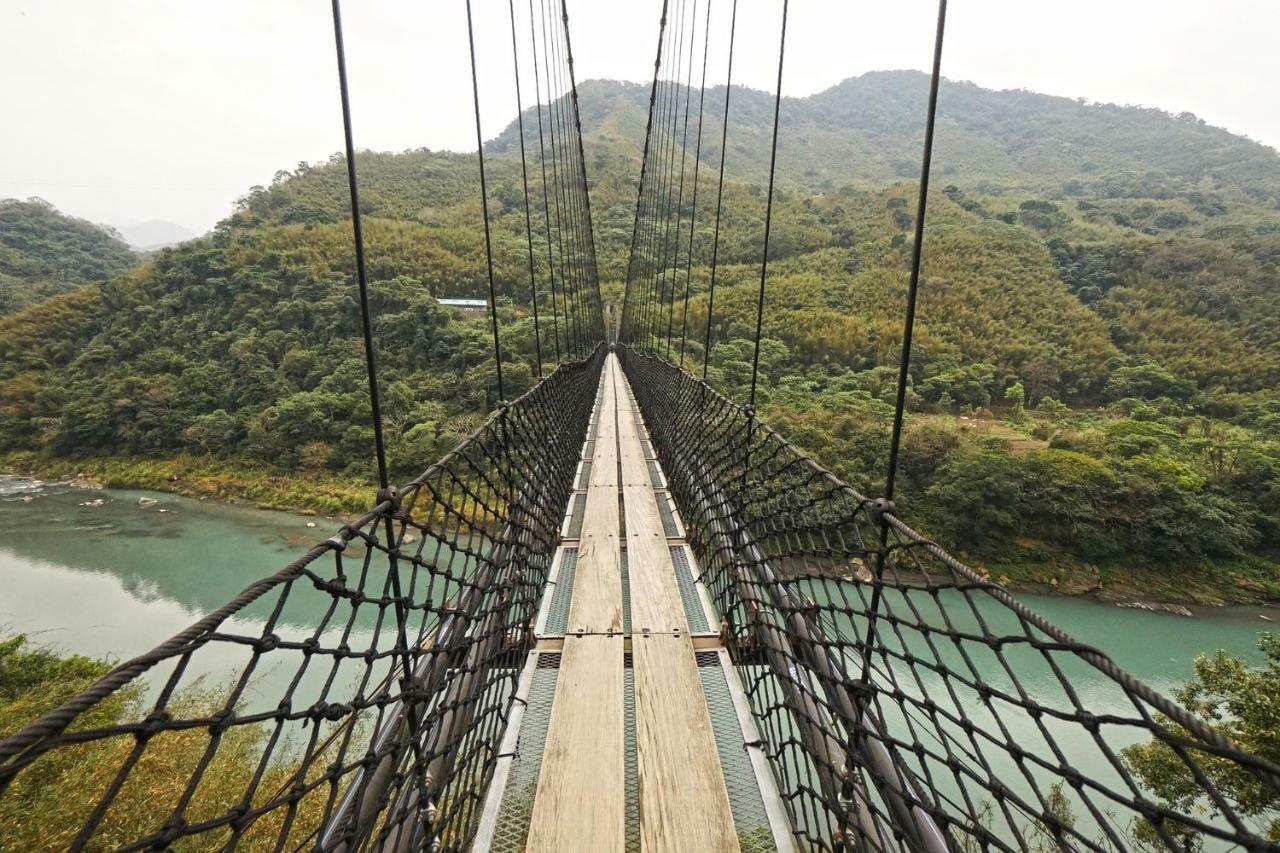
<point>96,573</point>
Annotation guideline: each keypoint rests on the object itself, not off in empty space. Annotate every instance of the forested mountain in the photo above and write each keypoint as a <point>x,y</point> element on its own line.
<point>44,252</point>
<point>1093,393</point>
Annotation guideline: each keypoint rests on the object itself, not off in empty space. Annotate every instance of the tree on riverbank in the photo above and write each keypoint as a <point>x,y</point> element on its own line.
<point>1243,703</point>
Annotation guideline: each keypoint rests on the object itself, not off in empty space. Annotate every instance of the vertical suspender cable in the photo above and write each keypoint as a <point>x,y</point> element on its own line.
<point>592,270</point>
<point>573,335</point>
<point>370,363</point>
<point>386,495</point>
<point>715,240</point>
<point>904,363</point>
<point>684,152</point>
<point>697,163</point>
<point>661,272</point>
<point>917,248</point>
<point>629,309</point>
<point>546,203</point>
<point>484,207</point>
<point>768,209</point>
<point>524,177</point>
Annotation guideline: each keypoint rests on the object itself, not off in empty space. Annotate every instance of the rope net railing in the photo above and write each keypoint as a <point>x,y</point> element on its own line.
<point>905,700</point>
<point>356,698</point>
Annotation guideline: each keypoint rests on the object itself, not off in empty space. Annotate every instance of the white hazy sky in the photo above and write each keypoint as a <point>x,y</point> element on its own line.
<point>126,110</point>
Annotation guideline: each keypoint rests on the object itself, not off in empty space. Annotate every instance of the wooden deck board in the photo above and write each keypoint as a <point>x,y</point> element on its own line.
<point>596,605</point>
<point>655,597</point>
<point>580,802</point>
<point>684,805</point>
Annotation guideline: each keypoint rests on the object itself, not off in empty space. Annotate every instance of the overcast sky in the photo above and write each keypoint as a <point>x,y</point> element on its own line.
<point>127,110</point>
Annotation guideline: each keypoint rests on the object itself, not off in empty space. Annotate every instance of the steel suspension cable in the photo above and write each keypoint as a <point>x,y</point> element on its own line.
<point>650,215</point>
<point>362,278</point>
<point>627,303</point>
<point>484,208</point>
<point>768,210</point>
<point>684,151</point>
<point>571,326</point>
<point>524,178</point>
<point>546,204</point>
<point>593,269</point>
<point>664,245</point>
<point>576,177</point>
<point>387,497</point>
<point>908,327</point>
<point>573,204</point>
<point>917,249</point>
<point>715,240</point>
<point>662,221</point>
<point>697,163</point>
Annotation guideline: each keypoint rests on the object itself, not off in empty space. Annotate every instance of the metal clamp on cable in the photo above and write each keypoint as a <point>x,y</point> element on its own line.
<point>389,494</point>
<point>880,507</point>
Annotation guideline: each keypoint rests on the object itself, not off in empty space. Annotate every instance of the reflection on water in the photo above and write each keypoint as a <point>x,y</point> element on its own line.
<point>112,573</point>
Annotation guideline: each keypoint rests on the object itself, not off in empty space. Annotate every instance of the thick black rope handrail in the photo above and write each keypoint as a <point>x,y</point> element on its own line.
<point>519,464</point>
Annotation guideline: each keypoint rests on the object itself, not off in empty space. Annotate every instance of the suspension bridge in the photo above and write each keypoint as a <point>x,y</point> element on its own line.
<point>625,613</point>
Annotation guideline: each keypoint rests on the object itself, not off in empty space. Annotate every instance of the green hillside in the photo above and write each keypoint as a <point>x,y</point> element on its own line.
<point>44,252</point>
<point>1093,389</point>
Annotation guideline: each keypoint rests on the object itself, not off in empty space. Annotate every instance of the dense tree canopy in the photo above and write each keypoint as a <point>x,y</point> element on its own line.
<point>1093,385</point>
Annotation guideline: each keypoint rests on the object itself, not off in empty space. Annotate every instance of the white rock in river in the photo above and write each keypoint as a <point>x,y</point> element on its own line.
<point>145,501</point>
<point>311,524</point>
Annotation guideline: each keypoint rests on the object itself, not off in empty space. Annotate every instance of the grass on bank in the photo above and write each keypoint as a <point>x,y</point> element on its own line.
<point>205,477</point>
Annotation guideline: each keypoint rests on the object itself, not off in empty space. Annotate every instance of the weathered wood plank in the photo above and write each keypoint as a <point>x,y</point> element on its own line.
<point>684,805</point>
<point>596,605</point>
<point>580,803</point>
<point>655,597</point>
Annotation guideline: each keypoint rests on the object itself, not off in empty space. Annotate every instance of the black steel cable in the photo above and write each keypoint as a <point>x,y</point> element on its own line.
<point>908,326</point>
<point>593,268</point>
<point>524,178</point>
<point>484,208</point>
<point>570,330</point>
<point>715,239</point>
<point>697,163</point>
<point>768,210</point>
<point>546,203</point>
<point>629,304</point>
<point>366,321</point>
<point>917,249</point>
<point>684,151</point>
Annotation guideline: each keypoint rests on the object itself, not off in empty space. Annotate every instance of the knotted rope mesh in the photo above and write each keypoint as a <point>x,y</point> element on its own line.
<point>906,701</point>
<point>357,697</point>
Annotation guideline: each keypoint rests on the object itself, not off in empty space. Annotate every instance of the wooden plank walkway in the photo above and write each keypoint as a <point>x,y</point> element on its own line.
<point>580,801</point>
